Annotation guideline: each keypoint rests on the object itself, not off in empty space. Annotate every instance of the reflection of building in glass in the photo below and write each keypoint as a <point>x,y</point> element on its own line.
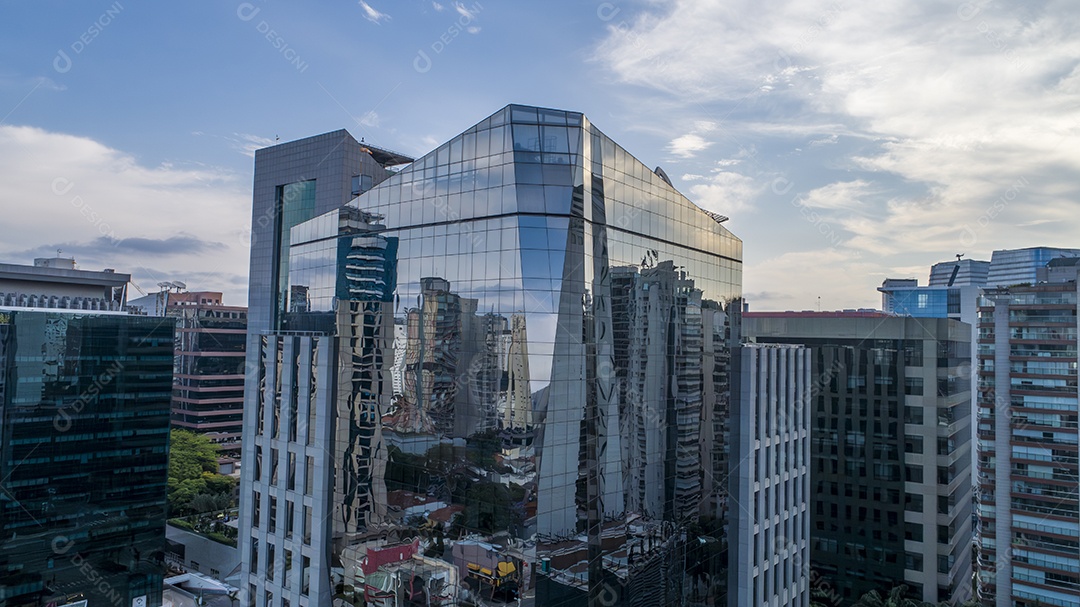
<point>84,427</point>
<point>658,359</point>
<point>432,355</point>
<point>488,385</point>
<point>518,409</point>
<point>313,479</point>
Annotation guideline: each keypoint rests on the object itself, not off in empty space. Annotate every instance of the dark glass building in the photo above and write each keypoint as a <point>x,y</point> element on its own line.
<point>890,466</point>
<point>495,372</point>
<point>84,426</point>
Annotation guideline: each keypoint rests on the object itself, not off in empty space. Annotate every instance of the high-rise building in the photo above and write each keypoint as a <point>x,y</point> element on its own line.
<point>953,292</point>
<point>208,381</point>
<point>890,462</point>
<point>84,430</point>
<point>1019,266</point>
<point>769,523</point>
<point>958,273</point>
<point>539,314</point>
<point>1029,510</point>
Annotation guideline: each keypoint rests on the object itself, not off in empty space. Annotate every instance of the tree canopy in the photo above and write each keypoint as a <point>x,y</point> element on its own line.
<point>194,483</point>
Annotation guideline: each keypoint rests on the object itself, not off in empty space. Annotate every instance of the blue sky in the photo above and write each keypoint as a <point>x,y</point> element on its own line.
<point>847,142</point>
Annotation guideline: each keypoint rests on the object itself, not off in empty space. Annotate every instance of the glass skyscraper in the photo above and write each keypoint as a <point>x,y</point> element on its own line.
<point>495,372</point>
<point>84,427</point>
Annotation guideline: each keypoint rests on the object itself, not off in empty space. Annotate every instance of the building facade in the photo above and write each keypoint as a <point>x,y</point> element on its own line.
<point>210,353</point>
<point>890,450</point>
<point>84,430</point>
<point>1010,267</point>
<point>472,336</point>
<point>769,537</point>
<point>1029,512</point>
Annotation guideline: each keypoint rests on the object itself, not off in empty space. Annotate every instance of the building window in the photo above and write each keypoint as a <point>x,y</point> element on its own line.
<point>913,386</point>
<point>256,508</point>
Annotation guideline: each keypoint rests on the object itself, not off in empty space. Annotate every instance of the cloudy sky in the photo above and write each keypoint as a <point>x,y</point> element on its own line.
<point>848,141</point>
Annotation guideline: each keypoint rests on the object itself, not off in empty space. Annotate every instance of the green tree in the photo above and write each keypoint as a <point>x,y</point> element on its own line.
<point>211,502</point>
<point>194,484</point>
<point>489,507</point>
<point>894,598</point>
<point>190,455</point>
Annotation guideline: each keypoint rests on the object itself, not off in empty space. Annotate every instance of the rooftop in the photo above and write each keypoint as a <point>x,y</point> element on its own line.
<point>861,313</point>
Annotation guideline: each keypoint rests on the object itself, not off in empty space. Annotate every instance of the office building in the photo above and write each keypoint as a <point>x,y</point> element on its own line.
<point>1028,507</point>
<point>55,283</point>
<point>84,429</point>
<point>211,339</point>
<point>953,292</point>
<point>480,336</point>
<point>1010,267</point>
<point>890,460</point>
<point>769,537</point>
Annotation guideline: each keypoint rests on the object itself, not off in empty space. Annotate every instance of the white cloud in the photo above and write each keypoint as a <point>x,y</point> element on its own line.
<point>726,193</point>
<point>839,195</point>
<point>469,15</point>
<point>438,7</point>
<point>924,130</point>
<point>102,205</point>
<point>842,280</point>
<point>248,143</point>
<point>373,15</point>
<point>688,145</point>
<point>370,119</point>
<point>30,84</point>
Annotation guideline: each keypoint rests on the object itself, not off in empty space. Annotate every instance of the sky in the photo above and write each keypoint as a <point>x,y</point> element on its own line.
<point>847,141</point>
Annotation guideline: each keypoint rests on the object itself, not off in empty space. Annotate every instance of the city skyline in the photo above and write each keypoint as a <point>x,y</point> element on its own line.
<point>847,144</point>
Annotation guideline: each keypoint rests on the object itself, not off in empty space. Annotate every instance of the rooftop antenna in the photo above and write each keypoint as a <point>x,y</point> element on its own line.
<point>818,303</point>
<point>955,270</point>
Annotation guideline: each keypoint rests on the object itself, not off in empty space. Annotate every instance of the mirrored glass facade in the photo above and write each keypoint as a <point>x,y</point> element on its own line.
<point>84,434</point>
<point>500,372</point>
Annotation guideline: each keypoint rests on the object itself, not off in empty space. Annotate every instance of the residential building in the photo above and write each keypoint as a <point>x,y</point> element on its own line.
<point>84,430</point>
<point>474,329</point>
<point>1029,510</point>
<point>890,461</point>
<point>769,525</point>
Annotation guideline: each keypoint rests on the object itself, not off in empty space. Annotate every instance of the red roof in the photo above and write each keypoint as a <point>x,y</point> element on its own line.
<point>443,515</point>
<point>377,557</point>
